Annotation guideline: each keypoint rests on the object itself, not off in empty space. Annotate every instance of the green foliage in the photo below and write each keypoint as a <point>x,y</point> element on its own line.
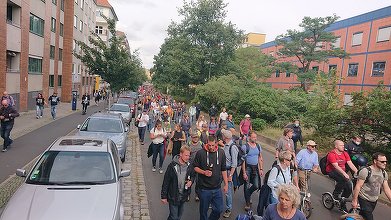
<point>311,44</point>
<point>199,47</point>
<point>258,124</point>
<point>119,67</point>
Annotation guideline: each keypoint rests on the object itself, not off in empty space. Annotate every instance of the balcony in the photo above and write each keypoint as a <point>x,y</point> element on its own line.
<point>13,38</point>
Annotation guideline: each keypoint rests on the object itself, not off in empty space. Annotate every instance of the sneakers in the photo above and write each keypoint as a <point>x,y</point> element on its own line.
<point>4,150</point>
<point>247,207</point>
<point>227,213</point>
<point>153,169</point>
<point>37,117</point>
<point>197,199</point>
<point>160,170</point>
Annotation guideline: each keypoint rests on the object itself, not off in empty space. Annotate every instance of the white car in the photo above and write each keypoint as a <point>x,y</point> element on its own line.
<point>75,178</point>
<point>122,109</point>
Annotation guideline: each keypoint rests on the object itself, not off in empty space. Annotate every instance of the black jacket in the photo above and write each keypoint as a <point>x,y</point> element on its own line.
<point>297,136</point>
<point>170,184</point>
<point>9,114</point>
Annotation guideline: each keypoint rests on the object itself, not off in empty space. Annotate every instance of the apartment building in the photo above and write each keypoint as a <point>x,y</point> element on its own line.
<point>101,28</point>
<point>366,38</point>
<point>254,40</point>
<point>37,39</point>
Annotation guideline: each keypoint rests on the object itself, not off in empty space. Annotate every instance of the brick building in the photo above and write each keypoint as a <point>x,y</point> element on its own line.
<point>366,38</point>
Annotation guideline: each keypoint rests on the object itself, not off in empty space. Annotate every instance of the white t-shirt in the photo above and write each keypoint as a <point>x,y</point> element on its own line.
<point>143,120</point>
<point>223,116</point>
<point>159,139</point>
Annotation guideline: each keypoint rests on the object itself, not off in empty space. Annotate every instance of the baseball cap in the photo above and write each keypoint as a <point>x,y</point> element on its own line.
<point>311,143</point>
<point>247,116</point>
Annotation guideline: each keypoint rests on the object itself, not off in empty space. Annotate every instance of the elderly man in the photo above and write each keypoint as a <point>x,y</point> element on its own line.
<point>7,116</point>
<point>9,98</point>
<point>307,159</point>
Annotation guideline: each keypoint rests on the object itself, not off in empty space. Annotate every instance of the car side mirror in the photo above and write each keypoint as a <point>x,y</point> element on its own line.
<point>22,173</point>
<point>78,126</point>
<point>124,173</point>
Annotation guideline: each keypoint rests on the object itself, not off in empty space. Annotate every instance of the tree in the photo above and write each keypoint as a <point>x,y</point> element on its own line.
<point>309,45</point>
<point>250,63</point>
<point>199,47</point>
<point>116,65</point>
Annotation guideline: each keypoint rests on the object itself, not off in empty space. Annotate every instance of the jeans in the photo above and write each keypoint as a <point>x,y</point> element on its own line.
<point>176,211</point>
<point>141,133</point>
<point>343,185</point>
<point>228,196</point>
<point>85,107</point>
<point>53,111</point>
<point>192,119</point>
<point>366,208</point>
<point>5,133</point>
<point>253,178</point>
<point>39,110</point>
<point>213,197</point>
<point>158,148</point>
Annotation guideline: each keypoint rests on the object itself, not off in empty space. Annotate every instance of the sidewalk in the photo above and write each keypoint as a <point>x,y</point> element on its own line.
<point>28,122</point>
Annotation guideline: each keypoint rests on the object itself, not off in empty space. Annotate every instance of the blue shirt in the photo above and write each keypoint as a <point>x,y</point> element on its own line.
<point>252,155</point>
<point>307,160</point>
<point>271,213</point>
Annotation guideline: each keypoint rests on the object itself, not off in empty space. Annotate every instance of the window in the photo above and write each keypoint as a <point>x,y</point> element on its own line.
<point>52,52</point>
<point>347,99</point>
<point>73,68</point>
<point>378,68</point>
<point>81,26</point>
<point>81,4</point>
<point>384,34</point>
<point>75,21</point>
<point>277,73</point>
<point>61,29</point>
<point>99,30</point>
<point>79,69</point>
<point>59,54</point>
<point>62,5</point>
<point>332,67</point>
<point>51,80</point>
<point>357,39</point>
<point>35,65</point>
<point>337,43</point>
<point>59,80</point>
<point>53,25</point>
<point>9,14</point>
<point>353,69</point>
<point>74,45</point>
<point>315,68</point>
<point>36,25</point>
<point>98,13</point>
<point>83,79</point>
<point>287,74</point>
<point>54,2</point>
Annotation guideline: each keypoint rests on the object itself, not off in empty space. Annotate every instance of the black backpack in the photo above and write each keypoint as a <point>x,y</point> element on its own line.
<point>322,164</point>
<point>265,192</point>
<point>370,173</point>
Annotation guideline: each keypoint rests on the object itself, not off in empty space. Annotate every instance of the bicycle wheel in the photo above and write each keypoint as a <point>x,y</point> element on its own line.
<point>327,201</point>
<point>306,208</point>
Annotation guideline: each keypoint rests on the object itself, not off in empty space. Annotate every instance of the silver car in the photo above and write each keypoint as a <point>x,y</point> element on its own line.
<point>75,178</point>
<point>122,109</point>
<point>106,125</point>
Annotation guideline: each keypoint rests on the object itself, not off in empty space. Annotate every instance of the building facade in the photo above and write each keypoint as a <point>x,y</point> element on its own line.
<point>254,40</point>
<point>366,38</point>
<point>101,28</point>
<point>36,42</point>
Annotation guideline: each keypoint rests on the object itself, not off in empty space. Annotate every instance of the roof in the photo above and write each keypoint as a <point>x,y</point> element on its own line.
<point>103,3</point>
<point>80,143</point>
<point>359,19</point>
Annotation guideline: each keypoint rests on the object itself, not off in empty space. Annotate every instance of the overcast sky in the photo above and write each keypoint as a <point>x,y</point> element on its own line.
<point>145,21</point>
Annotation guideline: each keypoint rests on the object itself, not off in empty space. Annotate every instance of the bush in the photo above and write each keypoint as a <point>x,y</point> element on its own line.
<point>258,124</point>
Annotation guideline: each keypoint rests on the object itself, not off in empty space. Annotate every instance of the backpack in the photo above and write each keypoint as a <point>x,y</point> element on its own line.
<point>322,164</point>
<point>241,154</point>
<point>247,216</point>
<point>370,173</point>
<point>265,192</point>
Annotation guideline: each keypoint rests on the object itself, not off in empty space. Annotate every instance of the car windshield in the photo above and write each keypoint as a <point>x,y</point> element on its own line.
<point>120,108</point>
<point>110,125</point>
<point>73,168</point>
<point>128,101</point>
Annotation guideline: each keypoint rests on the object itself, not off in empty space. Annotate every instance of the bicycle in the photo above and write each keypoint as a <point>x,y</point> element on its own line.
<point>329,202</point>
<point>305,201</point>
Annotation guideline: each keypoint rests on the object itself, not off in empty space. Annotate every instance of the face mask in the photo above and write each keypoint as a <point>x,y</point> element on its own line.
<point>357,142</point>
<point>297,125</point>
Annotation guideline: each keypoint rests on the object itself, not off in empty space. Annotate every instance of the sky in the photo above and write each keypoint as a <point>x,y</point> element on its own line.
<point>145,21</point>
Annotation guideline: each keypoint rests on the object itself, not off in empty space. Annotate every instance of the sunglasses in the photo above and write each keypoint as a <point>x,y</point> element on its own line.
<point>288,160</point>
<point>385,161</point>
<point>313,146</point>
<point>5,105</point>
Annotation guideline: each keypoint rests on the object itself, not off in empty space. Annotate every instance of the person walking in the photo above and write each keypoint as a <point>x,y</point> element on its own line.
<point>285,143</point>
<point>7,117</point>
<point>198,110</point>
<point>177,183</point>
<point>9,99</point>
<point>54,100</point>
<point>213,126</point>
<point>186,125</point>
<point>177,138</point>
<point>230,123</point>
<point>307,159</point>
<point>213,111</point>
<point>85,101</point>
<point>201,121</point>
<point>210,164</point>
<point>245,127</point>
<point>223,116</point>
<point>192,113</point>
<point>39,104</point>
<point>142,121</point>
<point>231,153</point>
<point>252,168</point>
<point>297,133</point>
<point>368,187</point>
<point>203,133</point>
<point>157,135</point>
<point>195,145</point>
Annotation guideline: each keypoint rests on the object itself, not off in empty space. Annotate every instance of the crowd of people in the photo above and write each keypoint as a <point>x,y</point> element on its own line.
<point>209,149</point>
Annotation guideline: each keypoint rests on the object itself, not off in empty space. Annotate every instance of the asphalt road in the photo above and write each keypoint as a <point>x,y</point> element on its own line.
<point>319,184</point>
<point>27,147</point>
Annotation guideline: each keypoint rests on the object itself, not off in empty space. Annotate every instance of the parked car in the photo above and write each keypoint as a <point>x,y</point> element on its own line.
<point>106,125</point>
<point>121,109</point>
<point>75,178</point>
<point>130,102</point>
